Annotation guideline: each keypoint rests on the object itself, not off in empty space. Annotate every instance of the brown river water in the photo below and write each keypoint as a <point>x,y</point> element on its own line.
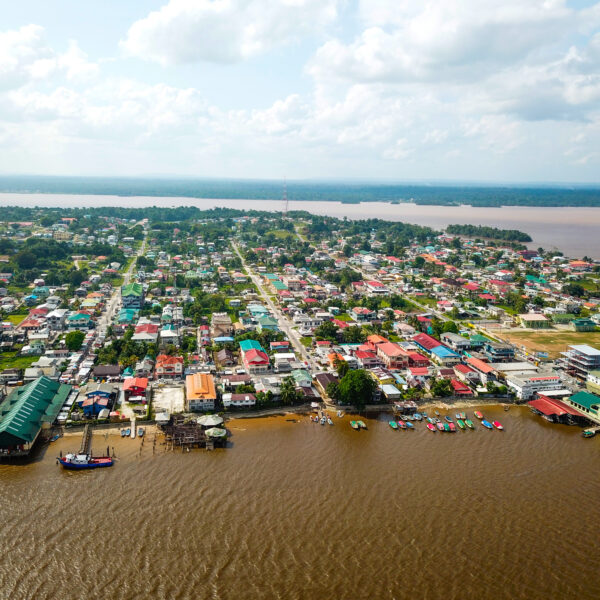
<point>303,511</point>
<point>572,230</point>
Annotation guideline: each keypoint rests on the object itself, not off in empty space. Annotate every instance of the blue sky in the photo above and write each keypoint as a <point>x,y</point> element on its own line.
<point>373,89</point>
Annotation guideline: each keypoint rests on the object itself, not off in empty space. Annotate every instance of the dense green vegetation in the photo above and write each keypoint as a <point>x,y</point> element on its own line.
<point>308,190</point>
<point>510,235</point>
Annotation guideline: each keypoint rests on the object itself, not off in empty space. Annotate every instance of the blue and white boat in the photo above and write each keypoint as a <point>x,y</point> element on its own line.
<point>77,462</point>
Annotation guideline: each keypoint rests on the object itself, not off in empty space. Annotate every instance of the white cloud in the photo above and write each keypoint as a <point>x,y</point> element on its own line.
<point>223,31</point>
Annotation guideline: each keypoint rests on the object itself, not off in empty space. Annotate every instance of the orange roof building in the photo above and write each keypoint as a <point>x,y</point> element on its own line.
<point>200,391</point>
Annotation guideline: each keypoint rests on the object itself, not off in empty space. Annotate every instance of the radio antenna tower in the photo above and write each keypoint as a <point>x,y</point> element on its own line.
<point>286,202</point>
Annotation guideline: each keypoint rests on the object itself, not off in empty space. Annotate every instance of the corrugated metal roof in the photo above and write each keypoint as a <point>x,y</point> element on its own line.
<point>26,409</point>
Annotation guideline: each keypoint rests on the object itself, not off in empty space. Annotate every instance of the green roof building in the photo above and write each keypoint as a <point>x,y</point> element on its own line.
<point>247,345</point>
<point>132,295</point>
<point>27,410</point>
<point>587,404</point>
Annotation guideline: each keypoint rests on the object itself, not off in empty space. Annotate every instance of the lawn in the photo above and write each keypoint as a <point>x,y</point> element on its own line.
<point>306,341</point>
<point>281,233</point>
<point>552,341</point>
<point>10,360</point>
<point>15,319</point>
<point>344,317</point>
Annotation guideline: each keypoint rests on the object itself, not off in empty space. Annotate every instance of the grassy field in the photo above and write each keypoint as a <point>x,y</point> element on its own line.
<point>306,341</point>
<point>344,317</point>
<point>10,360</point>
<point>15,319</point>
<point>281,233</point>
<point>554,342</point>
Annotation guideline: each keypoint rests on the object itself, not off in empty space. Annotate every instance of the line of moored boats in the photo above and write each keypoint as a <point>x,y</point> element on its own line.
<point>445,424</point>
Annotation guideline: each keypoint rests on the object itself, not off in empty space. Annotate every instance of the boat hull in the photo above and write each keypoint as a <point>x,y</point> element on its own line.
<point>100,463</point>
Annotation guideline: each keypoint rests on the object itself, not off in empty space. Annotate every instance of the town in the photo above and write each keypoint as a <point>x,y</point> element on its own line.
<point>115,315</point>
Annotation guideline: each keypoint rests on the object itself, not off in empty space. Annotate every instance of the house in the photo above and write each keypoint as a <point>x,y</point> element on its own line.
<point>95,397</point>
<point>55,319</point>
<point>534,321</point>
<point>266,323</point>
<point>80,320</point>
<point>168,367</point>
<point>146,332</point>
<point>132,295</point>
<point>255,359</point>
<point>498,351</point>
<point>225,357</point>
<point>200,392</point>
<point>527,388</point>
<point>460,389</point>
<point>392,355</point>
<point>455,341</point>
<point>361,314</point>
<point>144,368</point>
<point>581,359</point>
<point>583,325</point>
<point>135,389</point>
<point>221,325</point>
<point>238,400</point>
<point>106,371</point>
<point>444,356</point>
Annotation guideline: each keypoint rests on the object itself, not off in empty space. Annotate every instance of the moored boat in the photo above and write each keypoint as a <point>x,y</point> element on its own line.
<point>417,416</point>
<point>448,419</point>
<point>323,420</point>
<point>362,424</point>
<point>440,426</point>
<point>447,427</point>
<point>410,426</point>
<point>354,425</point>
<point>497,425</point>
<point>460,423</point>
<point>431,427</point>
<point>452,427</point>
<point>424,415</point>
<point>123,432</point>
<point>401,424</point>
<point>141,432</point>
<point>487,424</point>
<point>76,462</point>
<point>431,420</point>
<point>436,413</point>
<point>478,415</point>
<point>329,421</point>
<point>54,437</point>
<point>463,415</point>
<point>393,424</point>
<point>588,433</point>
<point>469,424</point>
<point>128,432</point>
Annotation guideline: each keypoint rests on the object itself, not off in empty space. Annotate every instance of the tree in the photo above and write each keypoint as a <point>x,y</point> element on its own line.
<point>356,387</point>
<point>342,367</point>
<point>441,388</point>
<point>327,331</point>
<point>74,339</point>
<point>333,390</point>
<point>289,395</point>
<point>450,327</point>
<point>26,259</point>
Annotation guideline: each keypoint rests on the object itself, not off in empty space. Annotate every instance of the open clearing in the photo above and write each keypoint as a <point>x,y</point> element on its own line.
<point>552,341</point>
<point>169,399</point>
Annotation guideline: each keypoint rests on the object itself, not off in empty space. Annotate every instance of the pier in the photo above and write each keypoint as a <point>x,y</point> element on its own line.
<point>86,440</point>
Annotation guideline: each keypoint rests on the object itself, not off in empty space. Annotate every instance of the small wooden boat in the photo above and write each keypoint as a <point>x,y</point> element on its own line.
<point>431,420</point>
<point>448,419</point>
<point>424,414</point>
<point>440,426</point>
<point>417,416</point>
<point>123,432</point>
<point>487,424</point>
<point>452,427</point>
<point>431,427</point>
<point>141,432</point>
<point>588,433</point>
<point>463,415</point>
<point>460,423</point>
<point>354,425</point>
<point>323,421</point>
<point>457,416</point>
<point>404,417</point>
<point>497,425</point>
<point>393,425</point>
<point>469,424</point>
<point>54,437</point>
<point>402,424</point>
<point>362,424</point>
<point>478,415</point>
<point>340,414</point>
<point>436,413</point>
<point>329,421</point>
<point>447,427</point>
<point>506,407</point>
<point>127,432</point>
<point>409,425</point>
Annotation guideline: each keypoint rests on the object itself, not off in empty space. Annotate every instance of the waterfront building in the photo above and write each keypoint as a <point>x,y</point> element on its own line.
<point>526,388</point>
<point>26,411</point>
<point>200,392</point>
<point>586,404</point>
<point>581,359</point>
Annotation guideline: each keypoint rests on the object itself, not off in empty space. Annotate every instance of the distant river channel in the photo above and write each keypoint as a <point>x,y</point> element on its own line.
<point>299,511</point>
<point>572,230</point>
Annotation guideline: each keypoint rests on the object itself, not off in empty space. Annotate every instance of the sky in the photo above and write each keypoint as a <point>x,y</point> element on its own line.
<point>480,90</point>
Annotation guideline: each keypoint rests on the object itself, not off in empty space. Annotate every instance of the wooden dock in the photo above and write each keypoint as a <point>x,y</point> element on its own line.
<point>86,440</point>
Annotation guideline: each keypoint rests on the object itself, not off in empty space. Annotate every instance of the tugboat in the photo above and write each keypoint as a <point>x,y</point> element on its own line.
<point>76,462</point>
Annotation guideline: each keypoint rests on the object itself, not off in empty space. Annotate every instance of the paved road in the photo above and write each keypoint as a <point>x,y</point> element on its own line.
<point>284,323</point>
<point>112,304</point>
